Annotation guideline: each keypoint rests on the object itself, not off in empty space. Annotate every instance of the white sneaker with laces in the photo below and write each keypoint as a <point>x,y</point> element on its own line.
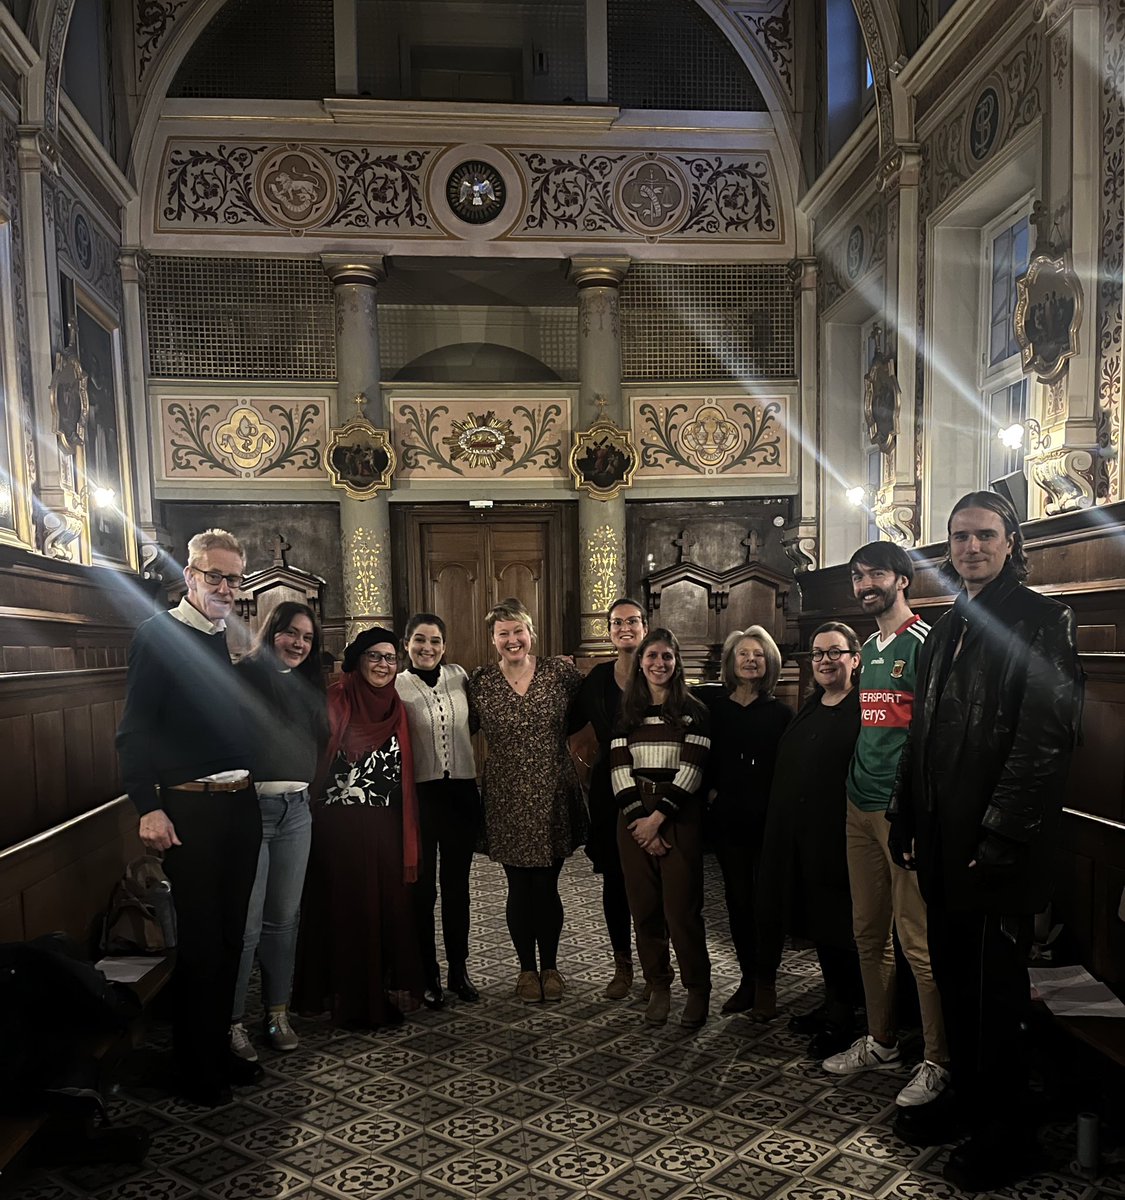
<point>864,1054</point>
<point>240,1044</point>
<point>928,1082</point>
<point>280,1032</point>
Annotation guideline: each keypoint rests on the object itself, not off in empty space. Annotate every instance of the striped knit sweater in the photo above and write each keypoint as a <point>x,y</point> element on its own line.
<point>671,758</point>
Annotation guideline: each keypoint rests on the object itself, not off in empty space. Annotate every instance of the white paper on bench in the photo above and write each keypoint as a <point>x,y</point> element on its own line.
<point>127,969</point>
<point>1073,992</point>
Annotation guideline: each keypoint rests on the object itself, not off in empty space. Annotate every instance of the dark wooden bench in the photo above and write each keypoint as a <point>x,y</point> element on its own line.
<point>61,880</point>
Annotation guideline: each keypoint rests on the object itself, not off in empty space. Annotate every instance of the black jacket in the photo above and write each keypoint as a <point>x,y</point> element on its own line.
<point>990,744</point>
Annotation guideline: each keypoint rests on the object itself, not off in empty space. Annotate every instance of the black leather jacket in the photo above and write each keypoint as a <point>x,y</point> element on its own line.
<point>984,770</point>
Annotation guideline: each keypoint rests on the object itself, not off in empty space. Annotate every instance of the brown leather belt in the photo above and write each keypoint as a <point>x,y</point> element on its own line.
<point>213,785</point>
<point>648,787</point>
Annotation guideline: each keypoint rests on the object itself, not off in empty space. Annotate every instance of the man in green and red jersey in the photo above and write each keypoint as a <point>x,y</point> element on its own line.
<point>881,576</point>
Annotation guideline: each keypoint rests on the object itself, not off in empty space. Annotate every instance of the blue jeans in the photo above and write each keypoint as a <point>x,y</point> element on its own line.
<point>275,903</point>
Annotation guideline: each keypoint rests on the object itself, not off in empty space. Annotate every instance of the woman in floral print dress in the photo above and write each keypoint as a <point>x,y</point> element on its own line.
<point>357,946</point>
<point>533,819</point>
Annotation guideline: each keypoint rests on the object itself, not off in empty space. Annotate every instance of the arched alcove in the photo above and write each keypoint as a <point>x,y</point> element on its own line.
<point>475,362</point>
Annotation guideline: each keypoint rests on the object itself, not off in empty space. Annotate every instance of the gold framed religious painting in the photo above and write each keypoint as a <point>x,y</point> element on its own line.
<point>602,460</point>
<point>1048,315</point>
<point>360,459</point>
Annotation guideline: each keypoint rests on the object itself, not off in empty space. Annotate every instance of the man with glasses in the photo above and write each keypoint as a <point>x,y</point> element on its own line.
<point>184,748</point>
<point>976,810</point>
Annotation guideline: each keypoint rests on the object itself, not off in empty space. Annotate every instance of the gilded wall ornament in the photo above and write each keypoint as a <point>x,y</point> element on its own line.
<point>245,438</point>
<point>602,569</point>
<point>475,192</point>
<point>70,396</point>
<point>710,436</point>
<point>484,441</point>
<point>679,439</point>
<point>1048,315</point>
<point>602,460</point>
<point>652,194</point>
<point>360,458</point>
<point>363,576</point>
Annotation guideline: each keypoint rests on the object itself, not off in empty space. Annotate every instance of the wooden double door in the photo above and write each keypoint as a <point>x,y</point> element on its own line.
<point>458,564</point>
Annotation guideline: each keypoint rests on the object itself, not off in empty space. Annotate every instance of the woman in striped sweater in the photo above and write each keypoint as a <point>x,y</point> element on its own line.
<point>656,768</point>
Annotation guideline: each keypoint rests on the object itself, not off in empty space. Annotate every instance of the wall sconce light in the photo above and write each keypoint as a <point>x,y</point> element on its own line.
<point>103,497</point>
<point>1012,435</point>
<point>856,496</point>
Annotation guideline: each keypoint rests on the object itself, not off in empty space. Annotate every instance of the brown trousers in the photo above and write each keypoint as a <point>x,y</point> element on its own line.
<point>666,900</point>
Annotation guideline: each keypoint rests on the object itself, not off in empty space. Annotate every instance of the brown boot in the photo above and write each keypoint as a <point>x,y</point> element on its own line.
<point>646,995</point>
<point>659,1002</point>
<point>696,1008</point>
<point>553,985</point>
<point>622,982</point>
<point>765,1002</point>
<point>528,987</point>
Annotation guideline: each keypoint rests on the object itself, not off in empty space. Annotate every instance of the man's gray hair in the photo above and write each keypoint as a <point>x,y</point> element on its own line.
<point>212,539</point>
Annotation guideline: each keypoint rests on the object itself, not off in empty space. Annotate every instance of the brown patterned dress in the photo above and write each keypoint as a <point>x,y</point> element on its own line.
<point>529,790</point>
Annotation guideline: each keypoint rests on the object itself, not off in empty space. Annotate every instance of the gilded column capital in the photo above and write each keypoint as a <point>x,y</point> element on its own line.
<point>369,269</point>
<point>598,270</point>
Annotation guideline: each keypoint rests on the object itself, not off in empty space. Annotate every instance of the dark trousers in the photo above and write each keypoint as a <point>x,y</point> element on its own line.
<point>615,908</point>
<point>212,876</point>
<point>666,899</point>
<point>980,967</point>
<point>739,867</point>
<point>448,820</point>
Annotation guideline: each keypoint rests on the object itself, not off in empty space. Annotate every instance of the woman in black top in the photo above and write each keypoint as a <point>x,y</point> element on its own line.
<point>747,722</point>
<point>803,884</point>
<point>286,708</point>
<point>596,704</point>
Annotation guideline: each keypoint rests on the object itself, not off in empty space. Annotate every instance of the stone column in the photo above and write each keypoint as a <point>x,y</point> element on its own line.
<point>801,538</point>
<point>896,504</point>
<point>151,537</point>
<point>1066,461</point>
<point>364,524</point>
<point>601,523</point>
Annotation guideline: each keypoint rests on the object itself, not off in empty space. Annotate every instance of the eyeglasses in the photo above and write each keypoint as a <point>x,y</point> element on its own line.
<point>621,622</point>
<point>215,578</point>
<point>833,655</point>
<point>373,656</point>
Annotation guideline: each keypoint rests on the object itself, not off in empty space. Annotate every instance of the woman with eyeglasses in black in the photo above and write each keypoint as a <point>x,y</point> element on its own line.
<point>596,706</point>
<point>803,886</point>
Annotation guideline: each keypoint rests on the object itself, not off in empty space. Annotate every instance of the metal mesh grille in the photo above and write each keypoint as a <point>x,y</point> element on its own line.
<point>263,50</point>
<point>707,322</point>
<point>240,318</point>
<point>669,54</point>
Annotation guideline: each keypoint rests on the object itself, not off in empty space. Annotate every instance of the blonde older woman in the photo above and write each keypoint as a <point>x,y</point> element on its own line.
<point>747,722</point>
<point>531,818</point>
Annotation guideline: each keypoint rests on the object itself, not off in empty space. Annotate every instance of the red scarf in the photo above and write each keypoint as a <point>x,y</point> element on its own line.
<point>362,718</point>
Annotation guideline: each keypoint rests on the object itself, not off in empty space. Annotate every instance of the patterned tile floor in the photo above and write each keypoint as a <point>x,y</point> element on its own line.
<point>515,1102</point>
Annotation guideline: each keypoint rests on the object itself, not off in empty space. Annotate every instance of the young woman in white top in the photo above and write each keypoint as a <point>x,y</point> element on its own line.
<point>437,709</point>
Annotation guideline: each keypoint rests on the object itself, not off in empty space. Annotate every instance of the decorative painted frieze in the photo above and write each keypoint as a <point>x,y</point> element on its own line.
<point>731,436</point>
<point>153,22</point>
<point>859,247</point>
<point>407,190</point>
<point>452,439</point>
<point>251,438</point>
<point>770,23</point>
<point>82,242</point>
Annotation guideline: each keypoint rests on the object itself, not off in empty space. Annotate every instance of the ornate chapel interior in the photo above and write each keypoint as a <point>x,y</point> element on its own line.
<point>368,282</point>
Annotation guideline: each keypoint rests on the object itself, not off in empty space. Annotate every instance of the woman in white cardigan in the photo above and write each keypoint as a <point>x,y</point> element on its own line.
<point>437,708</point>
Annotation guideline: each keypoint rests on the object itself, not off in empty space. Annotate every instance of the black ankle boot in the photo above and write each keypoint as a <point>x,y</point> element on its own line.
<point>461,985</point>
<point>433,996</point>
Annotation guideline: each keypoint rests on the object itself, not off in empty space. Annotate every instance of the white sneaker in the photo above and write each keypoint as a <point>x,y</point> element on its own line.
<point>927,1083</point>
<point>864,1054</point>
<point>240,1044</point>
<point>280,1032</point>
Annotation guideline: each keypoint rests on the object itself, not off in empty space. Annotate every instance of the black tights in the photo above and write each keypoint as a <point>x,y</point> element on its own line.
<point>535,914</point>
<point>615,906</point>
